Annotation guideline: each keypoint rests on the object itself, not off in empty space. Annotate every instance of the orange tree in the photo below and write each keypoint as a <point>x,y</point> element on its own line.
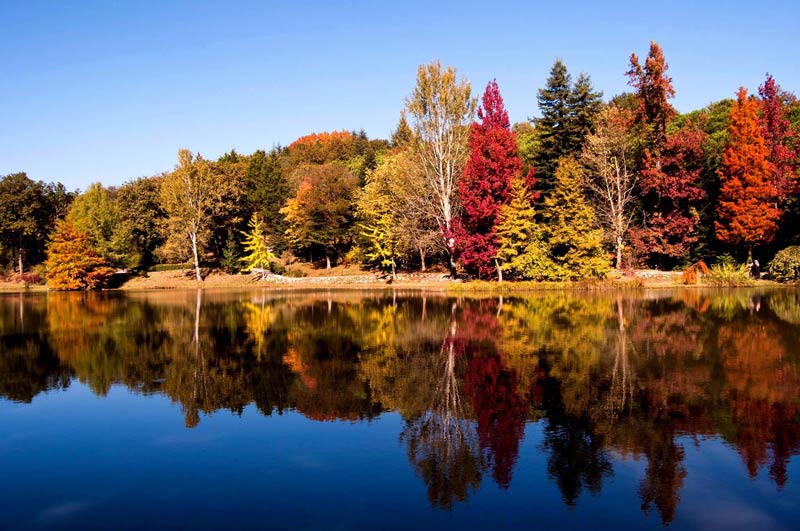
<point>72,264</point>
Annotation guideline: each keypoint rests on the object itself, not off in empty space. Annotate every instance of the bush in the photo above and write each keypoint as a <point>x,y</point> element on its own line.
<point>785,267</point>
<point>171,267</point>
<point>295,272</point>
<point>728,273</point>
<point>277,267</point>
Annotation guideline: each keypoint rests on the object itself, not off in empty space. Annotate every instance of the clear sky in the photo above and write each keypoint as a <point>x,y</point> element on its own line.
<point>108,91</point>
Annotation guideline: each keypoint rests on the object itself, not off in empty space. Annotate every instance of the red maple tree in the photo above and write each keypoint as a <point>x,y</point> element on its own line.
<point>486,183</point>
<point>779,138</point>
<point>747,214</point>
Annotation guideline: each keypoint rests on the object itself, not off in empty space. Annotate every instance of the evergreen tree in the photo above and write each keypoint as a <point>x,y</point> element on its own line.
<point>747,216</point>
<point>486,184</point>
<point>568,112</point>
<point>653,90</point>
<point>522,253</point>
<point>267,191</point>
<point>72,263</point>
<point>576,244</point>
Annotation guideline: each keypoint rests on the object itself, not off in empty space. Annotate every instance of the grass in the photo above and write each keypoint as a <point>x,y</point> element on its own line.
<point>729,274</point>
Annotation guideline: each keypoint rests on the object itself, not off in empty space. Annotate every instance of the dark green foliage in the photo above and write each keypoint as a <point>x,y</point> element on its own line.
<point>143,219</point>
<point>567,113</point>
<point>230,260</point>
<point>267,192</point>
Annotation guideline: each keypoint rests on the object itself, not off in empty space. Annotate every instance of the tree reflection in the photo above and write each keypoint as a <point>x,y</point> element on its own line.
<point>607,375</point>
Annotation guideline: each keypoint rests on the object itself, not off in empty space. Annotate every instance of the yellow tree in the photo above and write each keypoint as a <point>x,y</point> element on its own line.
<point>522,253</point>
<point>259,255</point>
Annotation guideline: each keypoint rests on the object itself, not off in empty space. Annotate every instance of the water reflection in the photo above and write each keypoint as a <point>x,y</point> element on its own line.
<point>609,376</point>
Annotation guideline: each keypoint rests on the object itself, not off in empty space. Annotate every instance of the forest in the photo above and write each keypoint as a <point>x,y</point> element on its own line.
<point>588,186</point>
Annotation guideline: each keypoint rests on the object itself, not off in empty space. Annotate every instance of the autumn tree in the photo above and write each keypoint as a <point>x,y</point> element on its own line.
<point>486,184</point>
<point>259,254</point>
<point>653,90</point>
<point>440,109</point>
<point>575,243</point>
<point>608,156</point>
<point>672,193</point>
<point>191,195</point>
<point>72,263</point>
<point>779,137</point>
<point>522,252</point>
<point>96,213</point>
<point>568,112</point>
<point>321,214</point>
<point>747,215</point>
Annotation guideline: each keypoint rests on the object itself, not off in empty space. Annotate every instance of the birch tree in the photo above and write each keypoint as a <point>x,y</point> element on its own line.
<point>440,110</point>
<point>609,159</point>
<point>190,195</point>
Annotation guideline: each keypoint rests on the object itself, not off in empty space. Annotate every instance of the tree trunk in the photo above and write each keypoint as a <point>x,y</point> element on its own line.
<point>193,237</point>
<point>499,271</point>
<point>328,262</point>
<point>619,254</point>
<point>394,273</point>
<point>20,264</point>
<point>451,265</point>
<point>422,258</point>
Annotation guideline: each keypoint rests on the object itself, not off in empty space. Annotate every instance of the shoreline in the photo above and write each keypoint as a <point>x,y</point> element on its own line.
<point>217,280</point>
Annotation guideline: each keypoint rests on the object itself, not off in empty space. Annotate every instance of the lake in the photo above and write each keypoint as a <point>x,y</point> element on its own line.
<point>397,410</point>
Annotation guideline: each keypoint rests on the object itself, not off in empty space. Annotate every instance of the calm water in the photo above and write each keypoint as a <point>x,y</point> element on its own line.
<point>380,410</point>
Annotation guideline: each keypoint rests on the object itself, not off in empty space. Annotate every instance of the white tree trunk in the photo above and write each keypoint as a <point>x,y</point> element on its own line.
<point>328,262</point>
<point>193,237</point>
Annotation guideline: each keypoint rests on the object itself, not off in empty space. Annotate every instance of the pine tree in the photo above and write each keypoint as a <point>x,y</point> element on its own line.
<point>584,105</point>
<point>259,254</point>
<point>653,90</point>
<point>747,216</point>
<point>72,264</point>
<point>486,183</point>
<point>576,245</point>
<point>553,130</point>
<point>268,190</point>
<point>522,253</point>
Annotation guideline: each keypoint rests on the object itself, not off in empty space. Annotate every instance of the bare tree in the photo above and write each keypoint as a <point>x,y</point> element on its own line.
<point>609,156</point>
<point>441,108</point>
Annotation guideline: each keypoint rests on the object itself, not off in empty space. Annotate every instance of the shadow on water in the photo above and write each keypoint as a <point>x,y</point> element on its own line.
<point>607,376</point>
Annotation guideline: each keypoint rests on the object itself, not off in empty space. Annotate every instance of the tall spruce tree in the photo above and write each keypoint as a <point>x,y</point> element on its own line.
<point>568,111</point>
<point>267,191</point>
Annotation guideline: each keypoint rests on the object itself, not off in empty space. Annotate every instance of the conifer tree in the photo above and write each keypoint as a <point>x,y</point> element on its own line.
<point>747,215</point>
<point>268,191</point>
<point>259,254</point>
<point>486,184</point>
<point>653,90</point>
<point>576,244</point>
<point>521,253</point>
<point>72,264</point>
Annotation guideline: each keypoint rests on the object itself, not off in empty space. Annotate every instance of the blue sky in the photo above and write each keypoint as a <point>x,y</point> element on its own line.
<point>109,91</point>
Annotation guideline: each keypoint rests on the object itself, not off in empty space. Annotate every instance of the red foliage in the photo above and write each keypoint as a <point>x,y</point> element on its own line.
<point>671,189</point>
<point>500,412</point>
<point>486,183</point>
<point>779,138</point>
<point>747,212</point>
<point>653,88</point>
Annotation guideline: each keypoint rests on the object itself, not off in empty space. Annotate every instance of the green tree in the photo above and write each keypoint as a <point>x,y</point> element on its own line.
<point>95,213</point>
<point>522,253</point>
<point>142,218</point>
<point>25,217</point>
<point>72,262</point>
<point>576,245</point>
<point>267,192</point>
<point>259,254</point>
<point>321,214</point>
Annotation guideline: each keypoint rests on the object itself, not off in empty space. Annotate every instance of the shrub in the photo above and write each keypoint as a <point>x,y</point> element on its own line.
<point>785,267</point>
<point>728,273</point>
<point>693,273</point>
<point>72,264</point>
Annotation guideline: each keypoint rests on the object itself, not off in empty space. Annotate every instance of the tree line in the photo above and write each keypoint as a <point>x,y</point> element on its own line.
<point>588,186</point>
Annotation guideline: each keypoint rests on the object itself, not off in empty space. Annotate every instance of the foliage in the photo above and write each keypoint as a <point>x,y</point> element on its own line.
<point>441,107</point>
<point>267,192</point>
<point>522,252</point>
<point>96,213</point>
<point>568,113</point>
<point>486,184</point>
<point>575,243</point>
<point>653,90</point>
<point>693,273</point>
<point>728,273</point>
<point>142,218</point>
<point>259,254</point>
<point>321,214</point>
<point>781,141</point>
<point>747,213</point>
<point>72,263</point>
<point>785,267</point>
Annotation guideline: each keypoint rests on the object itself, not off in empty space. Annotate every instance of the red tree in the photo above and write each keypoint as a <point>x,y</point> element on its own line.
<point>653,90</point>
<point>747,215</point>
<point>671,190</point>
<point>486,183</point>
<point>779,138</point>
